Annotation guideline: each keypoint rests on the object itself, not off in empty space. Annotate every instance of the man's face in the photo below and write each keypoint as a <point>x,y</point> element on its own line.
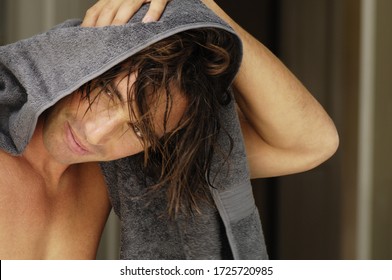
<point>75,133</point>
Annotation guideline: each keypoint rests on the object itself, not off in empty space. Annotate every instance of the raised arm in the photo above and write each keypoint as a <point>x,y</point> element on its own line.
<point>285,129</point>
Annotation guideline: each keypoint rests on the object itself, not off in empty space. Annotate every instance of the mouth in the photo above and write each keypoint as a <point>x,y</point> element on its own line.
<point>74,143</point>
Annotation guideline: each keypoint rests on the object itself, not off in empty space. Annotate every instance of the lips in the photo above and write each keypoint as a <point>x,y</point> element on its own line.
<point>74,142</point>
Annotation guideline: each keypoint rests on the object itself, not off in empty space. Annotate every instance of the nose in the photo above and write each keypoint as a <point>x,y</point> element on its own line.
<point>104,126</point>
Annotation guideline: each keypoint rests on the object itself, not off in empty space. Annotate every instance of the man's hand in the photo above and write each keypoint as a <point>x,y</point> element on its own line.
<point>118,12</point>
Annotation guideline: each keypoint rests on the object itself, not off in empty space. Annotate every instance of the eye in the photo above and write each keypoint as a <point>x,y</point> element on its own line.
<point>136,130</point>
<point>107,92</point>
<point>106,89</point>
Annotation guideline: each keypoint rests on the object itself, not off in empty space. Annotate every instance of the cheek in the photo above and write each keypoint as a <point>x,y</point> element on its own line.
<point>66,108</point>
<point>127,145</point>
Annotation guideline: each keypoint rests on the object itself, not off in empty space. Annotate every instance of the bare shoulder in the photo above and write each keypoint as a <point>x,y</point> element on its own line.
<point>65,223</point>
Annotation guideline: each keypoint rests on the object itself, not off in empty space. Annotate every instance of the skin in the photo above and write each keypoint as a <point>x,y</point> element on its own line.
<point>118,12</point>
<point>61,212</point>
<point>284,127</point>
<point>73,132</point>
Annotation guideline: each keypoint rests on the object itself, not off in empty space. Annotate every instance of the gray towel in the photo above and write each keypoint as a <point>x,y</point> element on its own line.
<point>37,72</point>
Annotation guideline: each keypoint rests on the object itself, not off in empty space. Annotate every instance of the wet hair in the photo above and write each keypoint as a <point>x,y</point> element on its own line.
<point>198,64</point>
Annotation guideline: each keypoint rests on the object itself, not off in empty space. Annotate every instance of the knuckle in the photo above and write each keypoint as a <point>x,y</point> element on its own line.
<point>108,8</point>
<point>118,21</point>
<point>92,11</point>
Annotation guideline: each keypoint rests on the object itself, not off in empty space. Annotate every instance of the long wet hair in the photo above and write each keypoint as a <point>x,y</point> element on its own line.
<point>199,65</point>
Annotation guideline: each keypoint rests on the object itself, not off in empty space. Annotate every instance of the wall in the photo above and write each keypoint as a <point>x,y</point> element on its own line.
<point>3,22</point>
<point>24,18</point>
<point>309,204</point>
<point>381,193</point>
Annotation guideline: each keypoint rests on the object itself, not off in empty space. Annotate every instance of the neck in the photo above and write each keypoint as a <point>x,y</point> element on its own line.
<point>41,161</point>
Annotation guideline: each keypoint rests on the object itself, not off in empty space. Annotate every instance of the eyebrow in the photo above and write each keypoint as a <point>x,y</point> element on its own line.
<point>115,90</point>
<point>118,94</point>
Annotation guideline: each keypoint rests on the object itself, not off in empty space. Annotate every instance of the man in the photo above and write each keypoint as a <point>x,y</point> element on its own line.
<point>54,200</point>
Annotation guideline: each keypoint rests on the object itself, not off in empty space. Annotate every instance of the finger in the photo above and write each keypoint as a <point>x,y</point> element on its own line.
<point>126,11</point>
<point>155,10</point>
<point>102,13</point>
<point>108,12</point>
<point>92,14</point>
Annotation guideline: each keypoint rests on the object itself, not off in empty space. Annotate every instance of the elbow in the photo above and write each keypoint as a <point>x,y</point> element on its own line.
<point>331,145</point>
<point>326,148</point>
<point>334,143</point>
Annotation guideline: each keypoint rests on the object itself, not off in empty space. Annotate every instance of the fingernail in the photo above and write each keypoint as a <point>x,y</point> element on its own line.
<point>147,19</point>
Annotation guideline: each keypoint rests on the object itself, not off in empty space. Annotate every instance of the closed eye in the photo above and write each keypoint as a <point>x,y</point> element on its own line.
<point>111,91</point>
<point>136,130</point>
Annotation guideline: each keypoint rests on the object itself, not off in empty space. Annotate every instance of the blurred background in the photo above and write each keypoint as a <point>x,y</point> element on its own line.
<point>341,51</point>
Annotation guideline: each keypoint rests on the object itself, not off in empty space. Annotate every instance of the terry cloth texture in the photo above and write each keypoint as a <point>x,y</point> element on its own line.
<point>37,72</point>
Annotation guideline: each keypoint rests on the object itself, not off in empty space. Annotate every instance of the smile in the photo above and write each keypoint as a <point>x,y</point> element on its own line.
<point>74,143</point>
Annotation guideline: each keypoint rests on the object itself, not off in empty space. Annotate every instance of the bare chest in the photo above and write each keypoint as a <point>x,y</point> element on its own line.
<point>61,223</point>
